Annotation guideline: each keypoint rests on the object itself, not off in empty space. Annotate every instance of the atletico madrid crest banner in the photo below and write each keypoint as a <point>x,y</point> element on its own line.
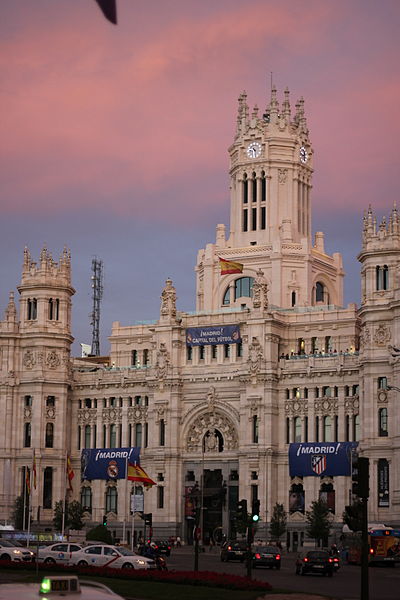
<point>229,267</point>
<point>321,459</point>
<point>136,473</point>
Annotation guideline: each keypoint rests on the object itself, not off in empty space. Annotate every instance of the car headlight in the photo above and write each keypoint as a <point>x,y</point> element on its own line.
<point>17,551</point>
<point>141,562</point>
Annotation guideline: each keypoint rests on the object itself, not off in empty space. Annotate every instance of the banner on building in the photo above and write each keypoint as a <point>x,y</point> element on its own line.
<point>383,482</point>
<point>107,463</point>
<point>315,459</point>
<point>203,336</point>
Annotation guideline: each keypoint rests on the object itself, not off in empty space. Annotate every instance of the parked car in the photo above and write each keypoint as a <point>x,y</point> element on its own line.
<point>163,547</point>
<point>12,552</point>
<point>266,556</point>
<point>116,557</point>
<point>234,550</point>
<point>60,553</point>
<point>315,561</point>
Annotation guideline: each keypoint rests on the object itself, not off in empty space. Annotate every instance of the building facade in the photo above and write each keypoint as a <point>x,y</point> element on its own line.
<point>214,420</point>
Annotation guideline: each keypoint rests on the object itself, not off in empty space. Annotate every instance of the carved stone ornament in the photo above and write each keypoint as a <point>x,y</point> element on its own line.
<point>260,291</point>
<point>205,428</point>
<point>50,412</point>
<point>255,356</point>
<point>211,398</point>
<point>137,414</point>
<point>382,335</point>
<point>162,361</point>
<point>365,338</point>
<point>53,360</point>
<point>29,359</point>
<point>282,176</point>
<point>168,300</point>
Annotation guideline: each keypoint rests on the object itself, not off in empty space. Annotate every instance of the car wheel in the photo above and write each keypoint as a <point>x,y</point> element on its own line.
<point>49,561</point>
<point>5,557</point>
<point>127,566</point>
<point>82,563</point>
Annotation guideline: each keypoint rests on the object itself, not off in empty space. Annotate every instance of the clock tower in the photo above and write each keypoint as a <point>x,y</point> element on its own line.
<point>271,167</point>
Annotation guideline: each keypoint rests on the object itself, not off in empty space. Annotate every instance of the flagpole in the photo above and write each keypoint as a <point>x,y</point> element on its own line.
<point>24,515</point>
<point>63,500</point>
<point>126,487</point>
<point>29,509</point>
<point>133,517</point>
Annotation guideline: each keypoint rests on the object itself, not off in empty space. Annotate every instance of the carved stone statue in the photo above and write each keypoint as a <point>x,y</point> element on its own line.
<point>162,361</point>
<point>260,291</point>
<point>168,300</point>
<point>255,356</point>
<point>211,441</point>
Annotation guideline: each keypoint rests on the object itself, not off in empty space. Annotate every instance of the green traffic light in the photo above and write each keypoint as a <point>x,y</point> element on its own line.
<point>255,518</point>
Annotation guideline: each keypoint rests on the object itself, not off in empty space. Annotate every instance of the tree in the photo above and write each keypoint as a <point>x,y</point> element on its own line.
<point>277,526</point>
<point>18,513</point>
<point>319,524</point>
<point>75,513</point>
<point>58,515</point>
<point>352,516</point>
<point>100,534</point>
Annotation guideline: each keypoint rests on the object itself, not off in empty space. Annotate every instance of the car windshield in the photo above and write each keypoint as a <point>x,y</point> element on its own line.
<point>125,552</point>
<point>270,549</point>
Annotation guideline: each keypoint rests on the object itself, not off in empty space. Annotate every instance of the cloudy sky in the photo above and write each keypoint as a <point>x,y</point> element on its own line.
<point>114,139</point>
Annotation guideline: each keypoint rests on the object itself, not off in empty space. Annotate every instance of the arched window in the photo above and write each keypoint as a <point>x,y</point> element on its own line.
<point>27,435</point>
<point>327,495</point>
<point>51,308</point>
<point>111,500</point>
<point>327,429</point>
<point>383,422</point>
<point>113,435</point>
<point>245,189</point>
<point>297,429</point>
<point>319,292</point>
<point>227,296</point>
<point>31,309</point>
<point>382,277</point>
<point>162,432</point>
<point>49,435</point>
<point>255,429</point>
<point>48,487</point>
<point>86,498</point>
<point>356,428</point>
<point>293,298</point>
<point>244,287</point>
<point>138,434</point>
<point>87,436</point>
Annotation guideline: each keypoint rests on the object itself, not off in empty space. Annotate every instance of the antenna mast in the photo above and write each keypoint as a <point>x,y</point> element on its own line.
<point>97,294</point>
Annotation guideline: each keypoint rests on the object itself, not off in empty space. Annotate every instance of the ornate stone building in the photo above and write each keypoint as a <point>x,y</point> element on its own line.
<point>218,417</point>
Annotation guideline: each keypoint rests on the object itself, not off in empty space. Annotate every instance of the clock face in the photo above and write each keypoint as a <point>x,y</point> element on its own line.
<point>303,155</point>
<point>253,150</point>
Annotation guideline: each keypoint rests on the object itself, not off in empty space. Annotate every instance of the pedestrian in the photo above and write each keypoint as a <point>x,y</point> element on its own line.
<point>178,541</point>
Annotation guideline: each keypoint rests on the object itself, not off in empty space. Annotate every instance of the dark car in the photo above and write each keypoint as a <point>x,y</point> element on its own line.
<point>163,547</point>
<point>315,561</point>
<point>266,556</point>
<point>233,550</point>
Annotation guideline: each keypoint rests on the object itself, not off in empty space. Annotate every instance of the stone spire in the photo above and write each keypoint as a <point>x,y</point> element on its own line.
<point>11,310</point>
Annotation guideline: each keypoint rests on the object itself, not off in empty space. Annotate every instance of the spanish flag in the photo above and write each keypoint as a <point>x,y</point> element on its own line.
<point>27,480</point>
<point>136,473</point>
<point>70,473</point>
<point>229,266</point>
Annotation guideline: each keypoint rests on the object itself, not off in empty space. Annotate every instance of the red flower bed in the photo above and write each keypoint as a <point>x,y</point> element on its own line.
<point>204,578</point>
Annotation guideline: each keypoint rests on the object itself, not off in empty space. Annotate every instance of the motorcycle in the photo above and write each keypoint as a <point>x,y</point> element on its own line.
<point>161,563</point>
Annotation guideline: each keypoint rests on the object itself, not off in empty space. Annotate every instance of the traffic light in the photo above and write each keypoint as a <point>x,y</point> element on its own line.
<point>242,511</point>
<point>105,520</point>
<point>255,511</point>
<point>360,476</point>
<point>148,519</point>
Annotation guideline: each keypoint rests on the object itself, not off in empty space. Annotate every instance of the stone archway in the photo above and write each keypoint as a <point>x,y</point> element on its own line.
<point>210,432</point>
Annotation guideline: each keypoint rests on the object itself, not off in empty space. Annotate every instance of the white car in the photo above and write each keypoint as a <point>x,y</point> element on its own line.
<point>60,554</point>
<point>65,588</point>
<point>10,551</point>
<point>115,557</point>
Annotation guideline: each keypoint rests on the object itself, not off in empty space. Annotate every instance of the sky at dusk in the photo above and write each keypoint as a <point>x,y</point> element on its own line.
<point>114,138</point>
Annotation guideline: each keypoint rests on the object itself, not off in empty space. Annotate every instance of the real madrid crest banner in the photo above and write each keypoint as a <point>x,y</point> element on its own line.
<point>107,463</point>
<point>321,459</point>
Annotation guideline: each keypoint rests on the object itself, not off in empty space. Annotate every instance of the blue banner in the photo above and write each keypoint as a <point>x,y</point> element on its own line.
<point>321,459</point>
<point>203,336</point>
<point>107,463</point>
